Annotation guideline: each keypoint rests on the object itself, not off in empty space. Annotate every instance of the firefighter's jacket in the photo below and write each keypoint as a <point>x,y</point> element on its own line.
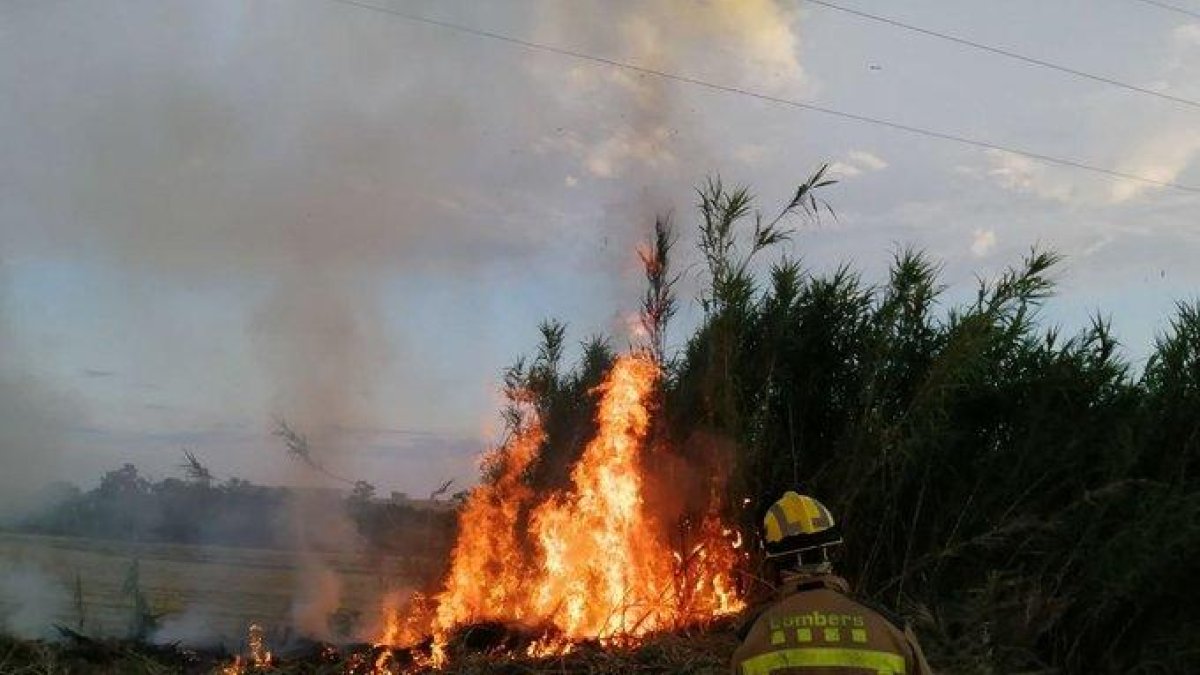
<point>815,628</point>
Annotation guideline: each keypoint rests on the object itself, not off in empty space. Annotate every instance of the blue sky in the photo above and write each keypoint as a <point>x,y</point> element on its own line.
<point>215,213</point>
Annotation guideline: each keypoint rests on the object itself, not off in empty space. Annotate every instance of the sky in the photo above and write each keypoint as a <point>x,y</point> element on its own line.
<point>215,214</point>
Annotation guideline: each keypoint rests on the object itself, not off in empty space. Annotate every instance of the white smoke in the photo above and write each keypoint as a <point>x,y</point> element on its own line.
<point>310,153</point>
<point>33,417</point>
<point>31,602</point>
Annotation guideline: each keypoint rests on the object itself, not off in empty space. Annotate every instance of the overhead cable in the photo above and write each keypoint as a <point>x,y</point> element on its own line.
<point>812,107</point>
<point>1171,8</point>
<point>1007,53</point>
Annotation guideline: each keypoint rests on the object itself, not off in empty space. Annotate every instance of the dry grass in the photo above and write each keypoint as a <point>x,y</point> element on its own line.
<point>692,653</point>
<point>232,587</point>
<point>686,653</point>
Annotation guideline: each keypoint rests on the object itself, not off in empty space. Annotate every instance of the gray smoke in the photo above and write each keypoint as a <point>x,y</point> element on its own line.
<point>311,153</point>
<point>33,417</point>
<point>31,602</point>
<point>193,626</point>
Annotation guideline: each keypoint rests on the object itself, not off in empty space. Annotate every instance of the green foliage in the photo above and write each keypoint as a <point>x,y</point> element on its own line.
<point>1025,498</point>
<point>560,397</point>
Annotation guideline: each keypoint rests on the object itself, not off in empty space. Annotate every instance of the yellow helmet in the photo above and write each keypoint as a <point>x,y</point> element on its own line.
<point>798,523</point>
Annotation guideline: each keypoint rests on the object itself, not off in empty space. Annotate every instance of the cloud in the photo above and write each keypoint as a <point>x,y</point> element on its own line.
<point>857,162</point>
<point>1118,135</point>
<point>1024,175</point>
<point>843,170</point>
<point>982,242</point>
<point>1096,246</point>
<point>750,154</point>
<point>1167,150</point>
<point>1187,34</point>
<point>867,161</point>
<point>1163,156</point>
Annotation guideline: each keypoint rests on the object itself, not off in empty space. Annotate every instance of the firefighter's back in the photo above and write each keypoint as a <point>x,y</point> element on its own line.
<point>818,629</point>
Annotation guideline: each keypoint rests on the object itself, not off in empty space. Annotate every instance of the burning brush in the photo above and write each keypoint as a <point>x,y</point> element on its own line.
<point>535,575</point>
<point>595,562</point>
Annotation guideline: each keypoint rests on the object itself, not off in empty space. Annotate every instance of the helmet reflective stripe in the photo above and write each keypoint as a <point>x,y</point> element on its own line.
<point>774,523</point>
<point>821,518</point>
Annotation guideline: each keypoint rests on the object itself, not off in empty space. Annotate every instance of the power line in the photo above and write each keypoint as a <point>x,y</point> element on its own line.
<point>1006,53</point>
<point>866,119</point>
<point>1171,8</point>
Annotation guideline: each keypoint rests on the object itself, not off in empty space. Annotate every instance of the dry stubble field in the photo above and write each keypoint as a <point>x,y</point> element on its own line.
<point>196,589</point>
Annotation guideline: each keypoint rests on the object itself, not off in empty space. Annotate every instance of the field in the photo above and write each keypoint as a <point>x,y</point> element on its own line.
<point>201,592</point>
<point>228,588</point>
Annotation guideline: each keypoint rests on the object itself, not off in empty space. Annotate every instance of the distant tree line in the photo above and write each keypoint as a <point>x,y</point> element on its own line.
<point>200,510</point>
<point>1028,499</point>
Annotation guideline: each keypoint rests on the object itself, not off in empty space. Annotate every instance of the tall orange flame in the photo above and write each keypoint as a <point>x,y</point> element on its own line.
<point>595,561</point>
<point>603,570</point>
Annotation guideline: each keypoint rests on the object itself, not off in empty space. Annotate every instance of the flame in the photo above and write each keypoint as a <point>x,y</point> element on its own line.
<point>595,561</point>
<point>488,550</point>
<point>604,572</point>
<point>592,562</point>
<point>259,658</point>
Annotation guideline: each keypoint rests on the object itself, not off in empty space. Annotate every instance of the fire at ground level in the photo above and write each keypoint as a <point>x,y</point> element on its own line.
<point>599,567</point>
<point>244,585</point>
<point>487,648</point>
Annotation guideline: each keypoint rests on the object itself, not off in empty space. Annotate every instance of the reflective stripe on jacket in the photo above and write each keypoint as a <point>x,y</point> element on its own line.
<point>817,629</point>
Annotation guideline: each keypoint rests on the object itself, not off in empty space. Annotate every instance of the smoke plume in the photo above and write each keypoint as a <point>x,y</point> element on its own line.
<point>30,602</point>
<point>33,417</point>
<point>311,155</point>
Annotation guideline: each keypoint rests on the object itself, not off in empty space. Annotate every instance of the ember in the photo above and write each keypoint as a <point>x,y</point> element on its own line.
<point>259,657</point>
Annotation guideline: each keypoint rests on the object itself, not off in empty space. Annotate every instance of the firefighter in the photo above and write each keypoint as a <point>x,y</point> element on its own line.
<point>813,626</point>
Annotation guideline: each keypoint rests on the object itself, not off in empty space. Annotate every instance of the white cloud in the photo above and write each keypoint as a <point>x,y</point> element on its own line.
<point>857,162</point>
<point>1097,245</point>
<point>868,161</point>
<point>982,242</point>
<point>1162,157</point>
<point>843,170</point>
<point>1188,33</point>
<point>750,154</point>
<point>1164,152</point>
<point>1021,174</point>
